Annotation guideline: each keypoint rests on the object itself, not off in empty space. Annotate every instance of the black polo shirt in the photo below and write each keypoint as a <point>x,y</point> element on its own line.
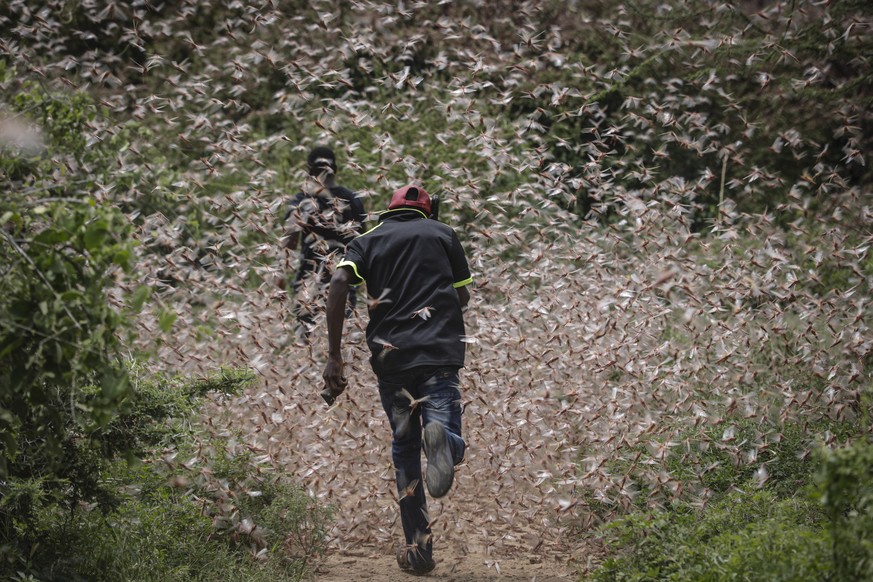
<point>413,267</point>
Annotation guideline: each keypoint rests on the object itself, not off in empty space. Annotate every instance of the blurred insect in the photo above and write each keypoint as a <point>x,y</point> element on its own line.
<point>424,313</point>
<point>413,402</point>
<point>409,490</point>
<point>374,302</point>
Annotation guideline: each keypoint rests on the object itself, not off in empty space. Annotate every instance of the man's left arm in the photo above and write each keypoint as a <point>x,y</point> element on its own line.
<point>291,239</point>
<point>460,271</point>
<point>464,296</point>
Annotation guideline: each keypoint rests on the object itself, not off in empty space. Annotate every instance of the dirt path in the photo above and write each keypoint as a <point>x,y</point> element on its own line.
<point>463,568</point>
<point>513,507</point>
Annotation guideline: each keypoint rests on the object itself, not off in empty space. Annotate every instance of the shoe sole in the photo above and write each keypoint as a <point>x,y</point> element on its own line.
<point>440,468</point>
<point>406,566</point>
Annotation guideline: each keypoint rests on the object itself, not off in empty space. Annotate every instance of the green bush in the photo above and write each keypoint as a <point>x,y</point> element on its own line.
<point>197,506</point>
<point>60,336</point>
<point>157,409</point>
<point>746,536</point>
<point>707,462</point>
<point>846,487</point>
<point>61,249</point>
<point>162,533</point>
<point>753,534</point>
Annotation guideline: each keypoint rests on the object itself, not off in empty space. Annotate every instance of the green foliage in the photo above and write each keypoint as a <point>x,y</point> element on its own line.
<point>784,451</point>
<point>161,532</point>
<point>36,490</point>
<point>746,536</point>
<point>200,509</point>
<point>61,251</point>
<point>846,489</point>
<point>826,532</point>
<point>62,117</point>
<point>152,536</point>
<point>681,101</point>
<point>708,456</point>
<point>142,422</point>
<point>60,335</point>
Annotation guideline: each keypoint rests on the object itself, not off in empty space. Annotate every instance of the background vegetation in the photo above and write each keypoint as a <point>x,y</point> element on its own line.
<point>669,209</point>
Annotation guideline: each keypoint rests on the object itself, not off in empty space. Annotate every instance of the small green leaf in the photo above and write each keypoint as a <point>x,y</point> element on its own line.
<point>139,297</point>
<point>95,235</point>
<point>71,296</point>
<point>166,320</point>
<point>122,258</point>
<point>114,385</point>
<point>51,237</point>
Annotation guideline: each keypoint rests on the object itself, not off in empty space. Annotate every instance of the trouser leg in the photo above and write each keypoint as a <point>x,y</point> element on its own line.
<point>441,402</point>
<point>406,455</point>
<point>443,405</point>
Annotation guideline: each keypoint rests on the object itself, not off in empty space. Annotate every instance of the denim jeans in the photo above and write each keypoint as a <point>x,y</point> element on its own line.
<point>440,387</point>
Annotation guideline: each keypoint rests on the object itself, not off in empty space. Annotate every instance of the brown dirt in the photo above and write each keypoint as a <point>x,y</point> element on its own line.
<point>454,568</point>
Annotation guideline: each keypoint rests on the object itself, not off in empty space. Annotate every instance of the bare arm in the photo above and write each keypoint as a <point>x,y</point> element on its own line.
<point>334,380</point>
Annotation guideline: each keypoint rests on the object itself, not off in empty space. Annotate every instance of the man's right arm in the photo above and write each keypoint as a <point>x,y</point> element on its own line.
<point>334,379</point>
<point>336,303</point>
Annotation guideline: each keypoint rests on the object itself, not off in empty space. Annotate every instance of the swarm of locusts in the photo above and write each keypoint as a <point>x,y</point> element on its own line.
<point>620,330</point>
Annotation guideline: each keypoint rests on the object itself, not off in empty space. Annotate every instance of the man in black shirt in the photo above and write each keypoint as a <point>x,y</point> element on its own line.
<point>323,218</point>
<point>417,276</point>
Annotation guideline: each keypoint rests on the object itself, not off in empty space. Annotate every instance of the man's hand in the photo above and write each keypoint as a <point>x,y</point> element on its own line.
<point>334,381</point>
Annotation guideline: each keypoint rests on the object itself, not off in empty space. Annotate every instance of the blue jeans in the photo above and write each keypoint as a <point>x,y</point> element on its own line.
<point>441,388</point>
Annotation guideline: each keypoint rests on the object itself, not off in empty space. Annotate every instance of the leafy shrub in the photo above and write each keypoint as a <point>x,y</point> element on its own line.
<point>753,534</point>
<point>149,417</point>
<point>846,487</point>
<point>40,499</point>
<point>746,536</point>
<point>198,507</point>
<point>709,464</point>
<point>60,335</point>
<point>162,533</point>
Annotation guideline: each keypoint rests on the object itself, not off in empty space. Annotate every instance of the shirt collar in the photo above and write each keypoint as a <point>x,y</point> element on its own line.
<point>402,214</point>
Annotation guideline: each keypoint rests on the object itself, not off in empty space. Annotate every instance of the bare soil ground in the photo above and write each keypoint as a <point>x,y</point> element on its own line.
<point>512,513</point>
<point>454,568</point>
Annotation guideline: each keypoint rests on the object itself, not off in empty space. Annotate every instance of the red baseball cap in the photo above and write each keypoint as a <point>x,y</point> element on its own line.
<point>411,196</point>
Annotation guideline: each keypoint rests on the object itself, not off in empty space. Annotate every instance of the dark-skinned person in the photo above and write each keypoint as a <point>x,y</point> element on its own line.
<point>321,219</point>
<point>417,278</point>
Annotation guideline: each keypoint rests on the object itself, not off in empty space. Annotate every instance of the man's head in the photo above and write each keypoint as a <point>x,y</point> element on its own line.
<point>411,196</point>
<point>321,161</point>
